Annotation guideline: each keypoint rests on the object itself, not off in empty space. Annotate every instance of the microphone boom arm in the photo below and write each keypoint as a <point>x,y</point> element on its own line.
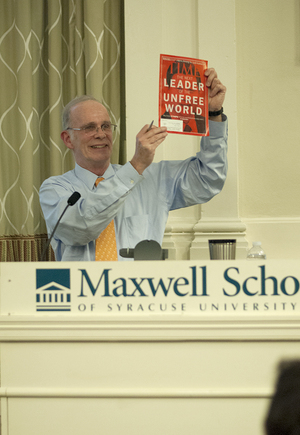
<point>71,201</point>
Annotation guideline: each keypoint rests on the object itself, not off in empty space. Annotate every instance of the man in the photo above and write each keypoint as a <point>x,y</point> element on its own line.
<point>137,196</point>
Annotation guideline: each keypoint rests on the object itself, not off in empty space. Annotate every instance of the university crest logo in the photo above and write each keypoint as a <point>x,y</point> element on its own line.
<point>53,290</point>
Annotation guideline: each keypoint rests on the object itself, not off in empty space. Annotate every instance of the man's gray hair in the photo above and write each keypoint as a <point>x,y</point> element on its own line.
<point>67,108</point>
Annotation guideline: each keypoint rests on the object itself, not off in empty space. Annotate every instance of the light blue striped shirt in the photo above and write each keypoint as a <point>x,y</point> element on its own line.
<point>139,204</point>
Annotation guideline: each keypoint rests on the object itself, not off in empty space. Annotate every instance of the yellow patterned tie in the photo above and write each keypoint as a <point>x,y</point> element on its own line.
<point>106,245</point>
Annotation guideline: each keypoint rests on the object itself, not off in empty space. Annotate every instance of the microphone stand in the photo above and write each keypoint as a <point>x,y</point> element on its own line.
<point>71,201</point>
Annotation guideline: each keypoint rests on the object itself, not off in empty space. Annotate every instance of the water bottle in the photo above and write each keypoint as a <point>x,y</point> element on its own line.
<point>256,252</point>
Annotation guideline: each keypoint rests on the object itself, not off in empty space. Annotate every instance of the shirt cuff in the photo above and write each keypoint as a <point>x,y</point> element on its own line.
<point>128,175</point>
<point>218,129</point>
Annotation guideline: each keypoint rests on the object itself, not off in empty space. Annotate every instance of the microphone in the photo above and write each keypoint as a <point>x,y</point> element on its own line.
<point>145,250</point>
<point>71,201</point>
<point>73,198</point>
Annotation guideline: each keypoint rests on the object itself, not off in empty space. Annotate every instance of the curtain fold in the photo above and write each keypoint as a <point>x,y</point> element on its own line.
<point>25,248</point>
<point>50,52</point>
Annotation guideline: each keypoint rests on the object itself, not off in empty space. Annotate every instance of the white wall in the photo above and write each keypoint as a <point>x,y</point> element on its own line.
<point>268,90</point>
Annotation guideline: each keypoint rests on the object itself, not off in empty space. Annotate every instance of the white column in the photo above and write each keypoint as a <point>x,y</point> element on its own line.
<point>216,42</point>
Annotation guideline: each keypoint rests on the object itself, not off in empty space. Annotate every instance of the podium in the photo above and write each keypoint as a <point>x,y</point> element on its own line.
<point>144,347</point>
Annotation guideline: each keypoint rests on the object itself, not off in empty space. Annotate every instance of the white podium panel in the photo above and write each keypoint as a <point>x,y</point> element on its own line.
<point>144,347</point>
<point>132,416</point>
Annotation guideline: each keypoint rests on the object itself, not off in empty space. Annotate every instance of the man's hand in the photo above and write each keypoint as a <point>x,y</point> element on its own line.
<point>216,92</point>
<point>146,144</point>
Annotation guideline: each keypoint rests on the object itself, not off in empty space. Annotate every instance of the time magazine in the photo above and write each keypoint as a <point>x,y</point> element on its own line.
<point>183,95</point>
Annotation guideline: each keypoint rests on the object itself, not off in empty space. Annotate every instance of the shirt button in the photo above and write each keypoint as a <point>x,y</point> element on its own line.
<point>132,181</point>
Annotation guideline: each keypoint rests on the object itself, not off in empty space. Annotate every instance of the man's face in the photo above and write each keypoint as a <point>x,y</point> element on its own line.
<point>92,151</point>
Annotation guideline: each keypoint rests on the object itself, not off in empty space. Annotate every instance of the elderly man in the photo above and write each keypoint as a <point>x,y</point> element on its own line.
<point>121,205</point>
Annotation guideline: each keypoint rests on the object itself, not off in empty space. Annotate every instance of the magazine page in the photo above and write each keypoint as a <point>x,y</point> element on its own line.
<point>183,95</point>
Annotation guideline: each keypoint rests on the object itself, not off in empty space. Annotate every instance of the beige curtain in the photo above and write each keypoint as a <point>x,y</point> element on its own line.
<point>50,52</point>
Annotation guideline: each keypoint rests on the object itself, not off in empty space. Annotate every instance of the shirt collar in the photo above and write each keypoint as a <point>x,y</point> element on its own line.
<point>88,178</point>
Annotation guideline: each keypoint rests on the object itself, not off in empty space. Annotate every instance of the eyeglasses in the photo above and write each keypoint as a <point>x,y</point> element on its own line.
<point>91,129</point>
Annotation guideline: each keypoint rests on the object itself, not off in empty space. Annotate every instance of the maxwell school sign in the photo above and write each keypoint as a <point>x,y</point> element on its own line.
<point>199,288</point>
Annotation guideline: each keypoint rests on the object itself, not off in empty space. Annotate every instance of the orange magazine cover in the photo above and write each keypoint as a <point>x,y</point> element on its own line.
<point>183,96</point>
